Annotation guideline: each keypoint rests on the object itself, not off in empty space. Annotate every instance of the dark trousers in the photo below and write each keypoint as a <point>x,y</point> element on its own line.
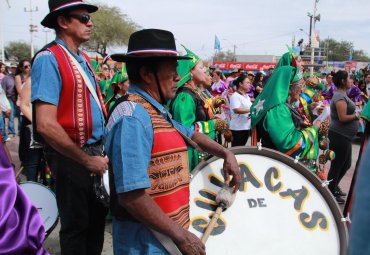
<point>82,217</point>
<point>30,157</point>
<point>240,137</point>
<point>342,147</point>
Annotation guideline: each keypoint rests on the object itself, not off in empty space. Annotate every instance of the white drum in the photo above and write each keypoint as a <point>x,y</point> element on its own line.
<point>45,202</point>
<point>281,208</point>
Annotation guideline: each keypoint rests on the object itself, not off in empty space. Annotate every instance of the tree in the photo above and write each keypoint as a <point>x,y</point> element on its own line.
<point>224,56</point>
<point>111,28</point>
<point>18,50</point>
<point>340,51</point>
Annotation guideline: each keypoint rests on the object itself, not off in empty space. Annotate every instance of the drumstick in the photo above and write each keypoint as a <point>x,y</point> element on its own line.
<point>19,172</point>
<point>224,199</point>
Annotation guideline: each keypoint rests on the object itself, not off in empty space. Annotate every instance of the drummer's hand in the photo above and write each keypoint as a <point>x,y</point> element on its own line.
<point>190,244</point>
<point>231,168</point>
<point>97,164</point>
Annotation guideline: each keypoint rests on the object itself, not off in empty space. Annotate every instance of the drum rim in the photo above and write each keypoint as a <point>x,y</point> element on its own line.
<point>52,227</point>
<point>305,172</point>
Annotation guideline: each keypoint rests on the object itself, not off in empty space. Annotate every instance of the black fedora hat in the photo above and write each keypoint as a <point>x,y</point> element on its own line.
<point>56,7</point>
<point>149,44</point>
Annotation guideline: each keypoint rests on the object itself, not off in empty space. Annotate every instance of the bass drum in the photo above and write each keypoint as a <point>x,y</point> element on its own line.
<point>45,202</point>
<point>281,208</point>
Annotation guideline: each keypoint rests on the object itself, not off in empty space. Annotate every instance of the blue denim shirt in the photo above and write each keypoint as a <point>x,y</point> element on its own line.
<point>360,228</point>
<point>47,85</point>
<point>129,142</point>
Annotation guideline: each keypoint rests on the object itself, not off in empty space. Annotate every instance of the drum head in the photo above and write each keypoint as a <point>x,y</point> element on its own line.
<point>45,202</point>
<point>281,208</point>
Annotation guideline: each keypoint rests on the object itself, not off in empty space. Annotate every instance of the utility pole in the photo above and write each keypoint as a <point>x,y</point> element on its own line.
<point>313,21</point>
<point>33,28</point>
<point>234,53</point>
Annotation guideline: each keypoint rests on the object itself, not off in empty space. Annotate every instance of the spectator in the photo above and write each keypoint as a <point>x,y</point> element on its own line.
<point>218,86</point>
<point>29,151</point>
<point>270,71</point>
<point>240,104</point>
<point>232,77</point>
<point>4,112</point>
<point>329,89</point>
<point>343,127</point>
<point>367,81</point>
<point>8,84</point>
<point>23,74</point>
<point>364,96</point>
<point>2,71</point>
<point>252,89</point>
<point>258,84</point>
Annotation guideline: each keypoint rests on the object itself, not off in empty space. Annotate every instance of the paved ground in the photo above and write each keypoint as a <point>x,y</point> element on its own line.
<point>52,242</point>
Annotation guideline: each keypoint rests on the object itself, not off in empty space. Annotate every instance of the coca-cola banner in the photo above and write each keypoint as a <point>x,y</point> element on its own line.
<point>249,66</point>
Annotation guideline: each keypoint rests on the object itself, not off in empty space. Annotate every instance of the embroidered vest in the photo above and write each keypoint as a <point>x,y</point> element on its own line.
<point>168,170</point>
<point>74,108</point>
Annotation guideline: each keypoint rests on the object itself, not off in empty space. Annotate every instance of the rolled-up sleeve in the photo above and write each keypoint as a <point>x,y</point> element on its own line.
<point>129,145</point>
<point>46,80</point>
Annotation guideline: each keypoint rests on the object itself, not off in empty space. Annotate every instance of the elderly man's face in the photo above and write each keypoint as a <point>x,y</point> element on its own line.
<point>168,78</point>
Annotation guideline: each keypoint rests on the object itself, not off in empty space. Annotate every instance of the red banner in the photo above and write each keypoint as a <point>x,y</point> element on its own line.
<point>249,66</point>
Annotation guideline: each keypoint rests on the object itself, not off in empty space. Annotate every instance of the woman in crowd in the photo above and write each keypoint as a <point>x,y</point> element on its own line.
<point>343,127</point>
<point>218,85</point>
<point>258,84</point>
<point>240,104</point>
<point>30,153</point>
<point>23,74</point>
<point>5,101</point>
<point>2,71</point>
<point>364,96</point>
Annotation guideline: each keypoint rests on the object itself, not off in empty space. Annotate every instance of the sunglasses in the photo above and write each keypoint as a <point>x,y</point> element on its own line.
<point>26,66</point>
<point>83,18</point>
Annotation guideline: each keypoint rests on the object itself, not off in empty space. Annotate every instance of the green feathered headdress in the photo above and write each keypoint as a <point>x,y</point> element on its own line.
<point>184,67</point>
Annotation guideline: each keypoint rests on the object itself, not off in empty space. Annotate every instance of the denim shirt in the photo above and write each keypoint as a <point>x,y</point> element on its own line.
<point>129,141</point>
<point>47,85</point>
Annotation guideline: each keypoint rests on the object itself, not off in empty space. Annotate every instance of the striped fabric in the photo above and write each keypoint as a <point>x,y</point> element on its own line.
<point>168,170</point>
<point>307,146</point>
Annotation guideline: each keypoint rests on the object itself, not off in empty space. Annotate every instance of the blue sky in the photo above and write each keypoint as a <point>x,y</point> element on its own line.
<point>255,27</point>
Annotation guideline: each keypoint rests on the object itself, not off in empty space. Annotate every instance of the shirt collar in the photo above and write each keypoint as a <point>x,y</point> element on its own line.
<point>135,89</point>
<point>78,57</point>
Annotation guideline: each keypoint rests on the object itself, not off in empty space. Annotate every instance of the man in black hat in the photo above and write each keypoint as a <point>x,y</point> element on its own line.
<point>148,153</point>
<point>70,116</point>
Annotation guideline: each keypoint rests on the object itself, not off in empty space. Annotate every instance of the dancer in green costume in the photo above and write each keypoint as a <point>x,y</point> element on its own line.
<point>118,87</point>
<point>279,126</point>
<point>190,107</point>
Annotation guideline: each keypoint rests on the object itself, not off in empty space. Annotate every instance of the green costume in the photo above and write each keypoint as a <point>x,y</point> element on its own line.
<point>190,108</point>
<point>308,96</point>
<point>278,124</point>
<point>112,96</point>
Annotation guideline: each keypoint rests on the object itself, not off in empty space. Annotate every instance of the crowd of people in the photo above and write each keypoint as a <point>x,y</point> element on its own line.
<point>151,116</point>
